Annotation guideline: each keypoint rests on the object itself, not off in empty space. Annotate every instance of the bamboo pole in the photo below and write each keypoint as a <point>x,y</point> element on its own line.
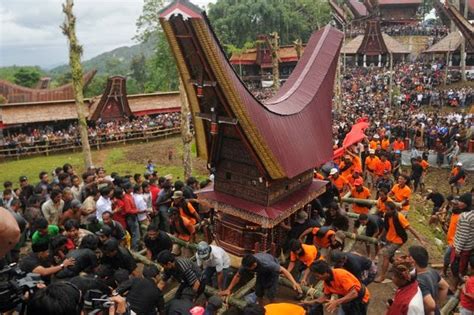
<point>452,303</point>
<point>240,293</point>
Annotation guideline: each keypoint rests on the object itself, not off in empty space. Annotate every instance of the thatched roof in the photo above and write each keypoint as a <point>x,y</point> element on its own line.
<point>392,44</point>
<point>450,43</point>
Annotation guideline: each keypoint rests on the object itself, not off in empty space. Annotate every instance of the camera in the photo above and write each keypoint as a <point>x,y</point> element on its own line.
<point>95,301</point>
<point>14,283</point>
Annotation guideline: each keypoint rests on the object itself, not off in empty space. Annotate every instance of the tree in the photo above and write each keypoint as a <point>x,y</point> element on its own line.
<point>186,135</point>
<point>274,41</point>
<point>163,72</point>
<point>27,77</point>
<point>237,22</point>
<point>139,71</point>
<point>75,52</point>
<point>97,86</point>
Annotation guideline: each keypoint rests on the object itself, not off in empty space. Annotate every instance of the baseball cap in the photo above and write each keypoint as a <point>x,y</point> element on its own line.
<point>376,136</point>
<point>340,236</point>
<point>203,250</point>
<point>358,182</point>
<point>459,164</point>
<point>371,151</point>
<point>301,217</point>
<point>398,152</point>
<point>177,194</point>
<point>104,231</point>
<point>333,171</point>
<point>23,178</point>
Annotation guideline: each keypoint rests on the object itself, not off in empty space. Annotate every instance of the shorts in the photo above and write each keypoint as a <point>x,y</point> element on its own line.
<point>457,185</point>
<point>266,284</point>
<point>435,210</point>
<point>389,249</point>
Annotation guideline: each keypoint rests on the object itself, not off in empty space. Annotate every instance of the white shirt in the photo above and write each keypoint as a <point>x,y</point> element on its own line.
<point>141,206</point>
<point>218,259</point>
<point>102,205</point>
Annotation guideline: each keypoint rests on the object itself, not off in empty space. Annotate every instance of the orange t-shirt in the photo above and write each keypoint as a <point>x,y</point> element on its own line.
<point>381,204</point>
<point>392,235</point>
<point>455,172</point>
<point>357,162</point>
<point>284,309</point>
<point>182,234</point>
<point>371,163</point>
<point>310,254</point>
<point>452,228</point>
<point>402,194</point>
<point>373,144</point>
<point>385,144</point>
<point>398,145</point>
<point>424,165</point>
<point>364,194</point>
<point>348,172</point>
<point>324,241</point>
<point>381,166</point>
<point>339,182</point>
<point>342,283</point>
<point>351,180</point>
<point>184,214</point>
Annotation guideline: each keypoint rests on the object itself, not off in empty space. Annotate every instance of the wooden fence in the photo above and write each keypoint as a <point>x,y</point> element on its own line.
<point>97,142</point>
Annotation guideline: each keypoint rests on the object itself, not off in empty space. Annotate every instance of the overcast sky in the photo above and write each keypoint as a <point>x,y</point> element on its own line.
<point>30,33</point>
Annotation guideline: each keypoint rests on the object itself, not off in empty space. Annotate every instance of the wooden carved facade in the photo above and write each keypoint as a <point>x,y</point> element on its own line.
<point>262,155</point>
<point>113,104</point>
<point>373,43</point>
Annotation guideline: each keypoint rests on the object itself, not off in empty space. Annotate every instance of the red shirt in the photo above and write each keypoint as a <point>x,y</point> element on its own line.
<point>120,216</point>
<point>467,302</point>
<point>129,204</point>
<point>154,190</point>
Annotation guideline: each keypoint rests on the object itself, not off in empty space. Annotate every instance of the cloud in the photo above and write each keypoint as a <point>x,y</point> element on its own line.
<point>30,32</point>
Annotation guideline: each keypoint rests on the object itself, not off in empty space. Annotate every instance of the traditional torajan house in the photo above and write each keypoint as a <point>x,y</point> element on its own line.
<point>373,48</point>
<point>398,11</point>
<point>449,47</point>
<point>255,65</point>
<point>262,154</point>
<point>13,93</point>
<point>113,104</point>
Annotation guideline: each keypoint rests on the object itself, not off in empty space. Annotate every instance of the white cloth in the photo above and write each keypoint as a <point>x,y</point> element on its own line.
<point>102,205</point>
<point>218,259</point>
<point>141,206</point>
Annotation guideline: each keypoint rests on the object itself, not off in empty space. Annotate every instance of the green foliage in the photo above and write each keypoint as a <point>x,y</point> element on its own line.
<point>8,73</point>
<point>27,77</point>
<point>239,22</point>
<point>163,71</point>
<point>96,86</point>
<point>138,70</point>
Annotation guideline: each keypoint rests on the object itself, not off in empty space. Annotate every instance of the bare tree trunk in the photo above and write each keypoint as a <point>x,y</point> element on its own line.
<point>274,45</point>
<point>298,48</point>
<point>186,135</point>
<point>75,53</point>
<point>463,47</point>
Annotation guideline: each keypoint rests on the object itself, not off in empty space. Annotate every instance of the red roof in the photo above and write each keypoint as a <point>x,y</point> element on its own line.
<point>359,7</point>
<point>292,132</point>
<point>399,2</point>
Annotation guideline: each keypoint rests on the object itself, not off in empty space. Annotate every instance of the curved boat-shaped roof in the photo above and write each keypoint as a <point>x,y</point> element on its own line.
<point>292,132</point>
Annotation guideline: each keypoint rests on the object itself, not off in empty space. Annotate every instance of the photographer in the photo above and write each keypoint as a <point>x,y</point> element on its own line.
<point>64,298</point>
<point>84,257</point>
<point>39,261</point>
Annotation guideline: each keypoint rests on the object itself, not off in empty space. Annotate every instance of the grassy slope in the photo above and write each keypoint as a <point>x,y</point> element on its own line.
<point>124,159</point>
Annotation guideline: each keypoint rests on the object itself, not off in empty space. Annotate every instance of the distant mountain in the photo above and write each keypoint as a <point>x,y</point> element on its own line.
<point>115,62</point>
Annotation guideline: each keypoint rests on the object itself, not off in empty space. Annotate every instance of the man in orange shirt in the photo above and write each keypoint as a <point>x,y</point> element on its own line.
<point>398,145</point>
<point>186,209</point>
<point>453,221</point>
<point>356,174</point>
<point>374,142</point>
<point>340,182</point>
<point>395,234</point>
<point>370,163</point>
<point>383,198</point>
<point>385,144</point>
<point>306,255</point>
<point>183,229</point>
<point>324,237</point>
<point>353,296</point>
<point>346,167</point>
<point>457,179</point>
<point>401,193</point>
<point>382,165</point>
<point>424,165</point>
<point>360,192</point>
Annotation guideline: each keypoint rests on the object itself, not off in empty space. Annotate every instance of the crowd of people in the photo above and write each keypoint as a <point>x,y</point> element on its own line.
<point>99,132</point>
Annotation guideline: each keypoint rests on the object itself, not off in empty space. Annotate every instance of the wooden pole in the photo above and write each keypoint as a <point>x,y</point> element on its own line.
<point>451,305</point>
<point>275,46</point>
<point>186,135</point>
<point>75,53</point>
<point>390,88</point>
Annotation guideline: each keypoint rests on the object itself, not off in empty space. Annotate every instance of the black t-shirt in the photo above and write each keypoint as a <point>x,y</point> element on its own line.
<point>31,261</point>
<point>416,170</point>
<point>356,264</point>
<point>85,259</point>
<point>297,229</point>
<point>159,244</point>
<point>86,283</point>
<point>123,260</point>
<point>437,198</point>
<point>374,223</point>
<point>143,296</point>
<point>179,307</point>
<point>186,272</point>
<point>117,231</point>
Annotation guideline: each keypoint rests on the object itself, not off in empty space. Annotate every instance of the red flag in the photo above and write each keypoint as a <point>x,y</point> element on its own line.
<point>354,136</point>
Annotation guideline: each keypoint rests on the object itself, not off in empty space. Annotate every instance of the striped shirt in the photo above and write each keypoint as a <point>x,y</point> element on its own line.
<point>185,271</point>
<point>463,240</point>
